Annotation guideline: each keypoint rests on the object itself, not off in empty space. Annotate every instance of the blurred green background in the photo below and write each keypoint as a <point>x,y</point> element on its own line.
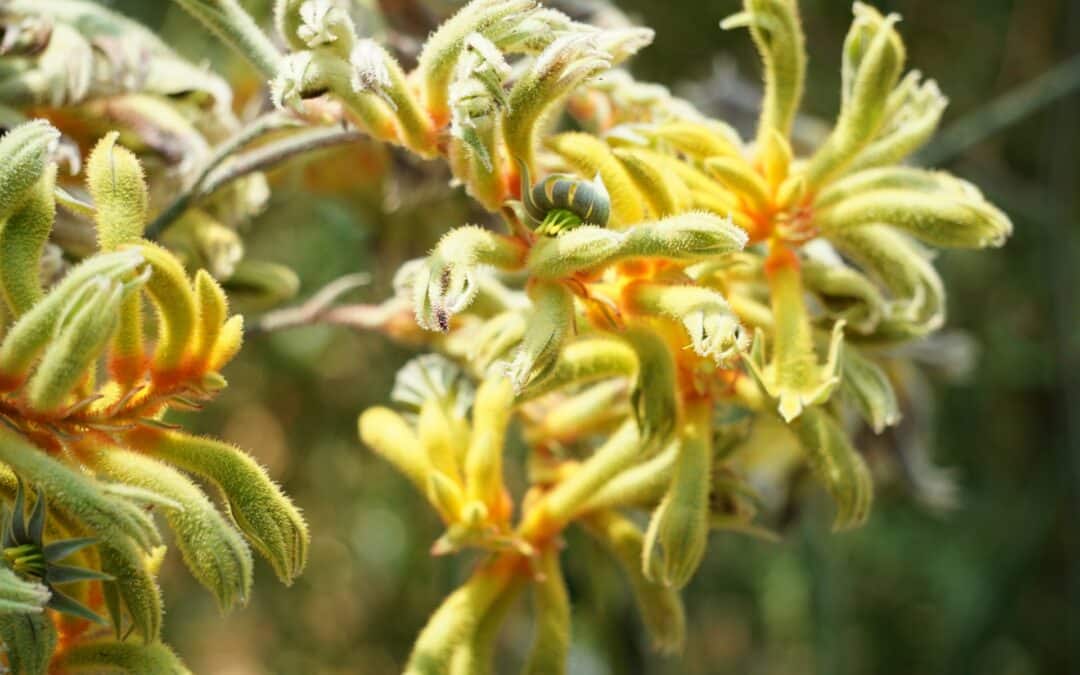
<point>990,585</point>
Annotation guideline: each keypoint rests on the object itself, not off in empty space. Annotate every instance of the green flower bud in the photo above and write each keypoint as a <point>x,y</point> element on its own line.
<point>660,606</point>
<point>448,283</point>
<point>287,21</point>
<point>456,621</point>
<point>29,641</point>
<point>228,20</point>
<point>567,62</point>
<point>960,220</point>
<point>566,500</point>
<point>111,518</point>
<point>36,328</point>
<point>476,656</point>
<point>22,243</point>
<point>483,460</point>
<point>547,326</point>
<point>323,24</point>
<point>642,485</point>
<point>738,176</point>
<point>551,644</point>
<point>873,60</point>
<point>375,71</point>
<point>594,409</point>
<point>653,397</point>
<point>917,302</point>
<point>258,283</point>
<point>665,193</point>
<point>20,596</point>
<point>115,180</point>
<point>81,336</point>
<point>134,589</point>
<point>25,153</point>
<point>620,43</point>
<point>121,657</point>
<point>777,33</point>
<point>212,549</point>
<point>300,77</point>
<point>496,338</point>
<point>866,384</point>
<point>679,529</point>
<point>585,361</point>
<point>582,248</point>
<point>713,329</point>
<point>700,140</point>
<point>203,242</point>
<point>267,517</point>
<point>836,464</point>
<point>687,237</point>
<point>476,96</point>
<point>387,433</point>
<point>443,47</point>
<point>175,302</point>
<point>846,294</point>
<point>912,115</point>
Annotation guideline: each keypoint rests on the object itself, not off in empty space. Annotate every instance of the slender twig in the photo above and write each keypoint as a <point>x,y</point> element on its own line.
<point>270,154</point>
<point>319,308</point>
<point>257,128</point>
<point>1004,111</point>
<point>225,165</point>
<point>235,27</point>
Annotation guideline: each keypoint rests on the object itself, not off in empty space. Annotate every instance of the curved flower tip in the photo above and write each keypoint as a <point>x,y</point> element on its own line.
<point>369,71</point>
<point>796,386</point>
<point>287,89</point>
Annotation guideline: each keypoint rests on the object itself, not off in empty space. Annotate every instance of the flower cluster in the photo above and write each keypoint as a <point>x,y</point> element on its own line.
<point>89,71</point>
<point>675,319</point>
<point>86,377</point>
<point>679,317</point>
